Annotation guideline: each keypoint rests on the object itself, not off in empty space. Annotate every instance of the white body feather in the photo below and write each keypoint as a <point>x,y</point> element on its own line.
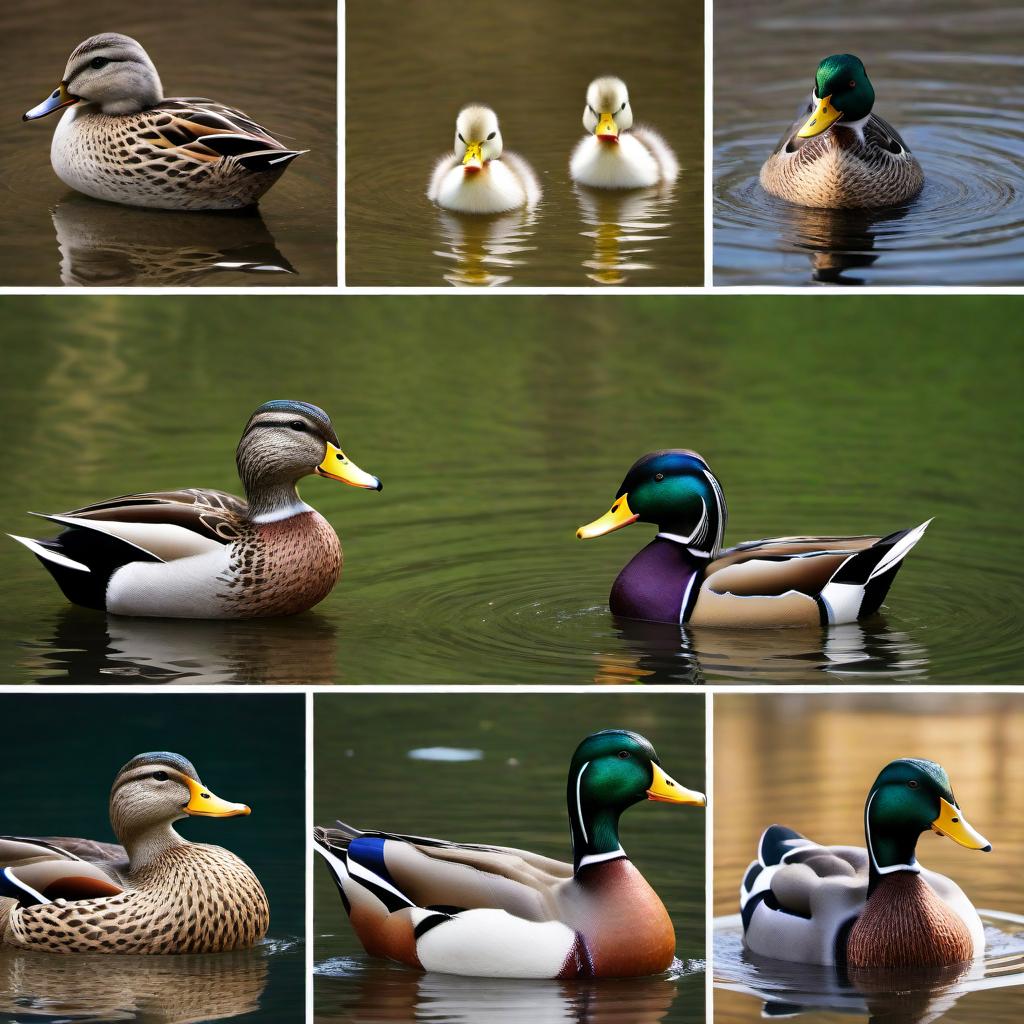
<point>639,159</point>
<point>504,184</point>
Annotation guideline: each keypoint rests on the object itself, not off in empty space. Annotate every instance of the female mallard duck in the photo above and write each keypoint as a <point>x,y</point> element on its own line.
<point>479,177</point>
<point>204,554</point>
<point>683,575</point>
<point>490,911</point>
<point>156,893</point>
<point>614,154</point>
<point>120,140</point>
<point>874,907</point>
<point>838,153</point>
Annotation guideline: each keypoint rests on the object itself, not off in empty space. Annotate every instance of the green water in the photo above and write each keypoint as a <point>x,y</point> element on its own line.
<point>247,749</point>
<point>498,426</point>
<point>513,795</point>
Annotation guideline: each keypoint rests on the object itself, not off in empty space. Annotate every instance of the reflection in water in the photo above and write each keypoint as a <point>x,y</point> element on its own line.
<point>622,226</point>
<point>153,989</point>
<point>89,647</point>
<point>107,244</point>
<point>484,250</point>
<point>349,989</point>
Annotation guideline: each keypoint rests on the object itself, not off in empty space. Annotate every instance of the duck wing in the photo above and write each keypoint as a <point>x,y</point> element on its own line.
<point>36,871</point>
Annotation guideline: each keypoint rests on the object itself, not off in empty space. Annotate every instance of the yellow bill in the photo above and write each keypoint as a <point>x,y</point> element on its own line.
<point>474,158</point>
<point>825,115</point>
<point>204,804</point>
<point>607,128</point>
<point>60,97</point>
<point>665,789</point>
<point>336,466</point>
<point>952,823</point>
<point>618,516</point>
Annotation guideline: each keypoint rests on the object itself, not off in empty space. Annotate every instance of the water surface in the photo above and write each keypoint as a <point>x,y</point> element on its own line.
<point>513,796</point>
<point>411,67</point>
<point>280,68</point>
<point>946,75</point>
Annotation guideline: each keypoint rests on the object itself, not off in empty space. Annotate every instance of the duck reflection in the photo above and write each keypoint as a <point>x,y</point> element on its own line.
<point>107,244</point>
<point>86,647</point>
<point>153,989</point>
<point>380,992</point>
<point>662,653</point>
<point>622,226</point>
<point>483,251</point>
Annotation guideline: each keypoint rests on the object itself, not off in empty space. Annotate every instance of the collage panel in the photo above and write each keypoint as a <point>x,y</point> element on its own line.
<point>160,909</point>
<point>170,148</point>
<point>564,925</point>
<point>824,803</point>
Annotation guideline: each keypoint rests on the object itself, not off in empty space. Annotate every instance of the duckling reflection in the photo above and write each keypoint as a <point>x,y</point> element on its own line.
<point>103,244</point>
<point>383,991</point>
<point>623,227</point>
<point>154,989</point>
<point>84,648</point>
<point>483,250</point>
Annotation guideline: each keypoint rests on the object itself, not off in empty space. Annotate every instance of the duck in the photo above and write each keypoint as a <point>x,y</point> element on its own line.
<point>492,911</point>
<point>480,176</point>
<point>154,893</point>
<point>207,554</point>
<point>873,906</point>
<point>121,140</point>
<point>614,153</point>
<point>684,576</point>
<point>838,154</point>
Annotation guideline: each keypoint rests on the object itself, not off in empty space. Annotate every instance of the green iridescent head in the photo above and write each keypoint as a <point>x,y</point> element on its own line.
<point>842,92</point>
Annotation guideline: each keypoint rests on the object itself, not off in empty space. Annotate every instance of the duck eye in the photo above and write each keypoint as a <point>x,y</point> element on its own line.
<point>853,85</point>
<point>159,776</point>
<point>460,138</point>
<point>659,476</point>
<point>491,136</point>
<point>98,62</point>
<point>592,110</point>
<point>623,754</point>
<point>623,107</point>
<point>298,425</point>
<point>912,784</point>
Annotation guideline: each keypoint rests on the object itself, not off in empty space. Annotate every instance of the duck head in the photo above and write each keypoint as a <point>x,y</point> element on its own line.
<point>111,71</point>
<point>842,91</point>
<point>610,772</point>
<point>677,492</point>
<point>477,138</point>
<point>607,113</point>
<point>150,793</point>
<point>283,442</point>
<point>909,797</point>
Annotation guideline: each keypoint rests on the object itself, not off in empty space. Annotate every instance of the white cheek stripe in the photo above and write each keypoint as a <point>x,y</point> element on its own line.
<point>579,808</point>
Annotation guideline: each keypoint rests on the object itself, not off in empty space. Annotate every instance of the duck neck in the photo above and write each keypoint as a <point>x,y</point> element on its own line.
<point>594,830</point>
<point>890,851</point>
<point>270,502</point>
<point>149,844</point>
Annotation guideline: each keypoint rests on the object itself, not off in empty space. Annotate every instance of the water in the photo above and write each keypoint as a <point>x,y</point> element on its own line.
<point>808,761</point>
<point>407,78</point>
<point>513,796</point>
<point>466,568</point>
<point>942,76</point>
<point>68,796</point>
<point>278,68</point>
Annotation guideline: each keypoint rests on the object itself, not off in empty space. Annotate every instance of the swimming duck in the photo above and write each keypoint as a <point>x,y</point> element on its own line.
<point>155,893</point>
<point>119,139</point>
<point>614,153</point>
<point>838,153</point>
<point>205,554</point>
<point>490,911</point>
<point>479,176</point>
<point>683,575</point>
<point>874,907</point>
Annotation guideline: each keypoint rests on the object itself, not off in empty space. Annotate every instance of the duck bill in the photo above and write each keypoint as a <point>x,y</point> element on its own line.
<point>825,115</point>
<point>666,790</point>
<point>60,97</point>
<point>204,804</point>
<point>607,130</point>
<point>336,466</point>
<point>473,161</point>
<point>952,823</point>
<point>618,516</point>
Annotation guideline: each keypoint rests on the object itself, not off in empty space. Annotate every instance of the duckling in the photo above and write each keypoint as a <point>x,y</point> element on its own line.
<point>155,893</point>
<point>614,153</point>
<point>121,140</point>
<point>873,907</point>
<point>479,177</point>
<point>205,554</point>
<point>839,154</point>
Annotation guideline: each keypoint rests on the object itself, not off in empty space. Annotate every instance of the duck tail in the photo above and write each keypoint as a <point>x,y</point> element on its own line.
<point>858,587</point>
<point>355,858</point>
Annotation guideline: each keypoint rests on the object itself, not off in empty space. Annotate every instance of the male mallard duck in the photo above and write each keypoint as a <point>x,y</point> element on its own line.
<point>205,554</point>
<point>120,140</point>
<point>867,908</point>
<point>614,154</point>
<point>838,153</point>
<point>490,911</point>
<point>683,575</point>
<point>479,177</point>
<point>156,893</point>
